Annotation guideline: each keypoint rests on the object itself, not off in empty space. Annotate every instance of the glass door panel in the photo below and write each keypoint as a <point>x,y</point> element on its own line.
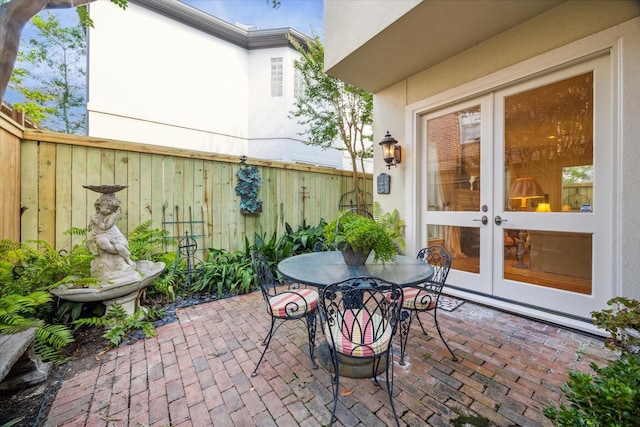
<point>548,163</point>
<point>455,189</point>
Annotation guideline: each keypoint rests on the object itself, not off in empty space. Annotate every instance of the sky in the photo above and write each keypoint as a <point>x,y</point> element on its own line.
<point>306,16</point>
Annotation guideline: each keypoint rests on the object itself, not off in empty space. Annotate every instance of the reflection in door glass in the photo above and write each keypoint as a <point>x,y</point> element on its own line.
<point>463,243</point>
<point>453,177</point>
<point>453,164</point>
<point>549,147</point>
<point>552,259</point>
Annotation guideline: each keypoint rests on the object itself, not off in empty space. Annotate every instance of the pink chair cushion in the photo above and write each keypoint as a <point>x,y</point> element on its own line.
<point>418,299</point>
<point>353,333</point>
<point>296,303</point>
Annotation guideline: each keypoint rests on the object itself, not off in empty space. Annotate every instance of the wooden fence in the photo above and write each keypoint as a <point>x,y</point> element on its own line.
<point>178,190</point>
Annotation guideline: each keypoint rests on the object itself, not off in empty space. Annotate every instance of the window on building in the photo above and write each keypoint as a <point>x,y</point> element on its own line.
<point>276,76</point>
<point>469,126</point>
<point>298,85</point>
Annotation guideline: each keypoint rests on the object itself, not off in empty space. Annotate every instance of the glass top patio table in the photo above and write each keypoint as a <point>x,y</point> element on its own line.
<point>323,268</point>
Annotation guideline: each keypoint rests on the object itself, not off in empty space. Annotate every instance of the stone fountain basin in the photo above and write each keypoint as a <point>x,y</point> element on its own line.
<point>144,274</point>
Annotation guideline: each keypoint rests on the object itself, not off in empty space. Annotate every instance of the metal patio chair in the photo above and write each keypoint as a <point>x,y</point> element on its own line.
<point>288,304</point>
<point>359,318</point>
<point>424,297</point>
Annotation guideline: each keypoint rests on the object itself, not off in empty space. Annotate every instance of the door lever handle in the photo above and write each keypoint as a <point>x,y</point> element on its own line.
<point>499,220</point>
<point>484,220</point>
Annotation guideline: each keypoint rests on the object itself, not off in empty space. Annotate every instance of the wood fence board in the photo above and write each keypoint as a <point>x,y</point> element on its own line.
<point>107,167</point>
<point>216,184</point>
<point>29,191</point>
<point>198,196</point>
<point>268,194</point>
<point>80,197</point>
<point>232,215</point>
<point>120,176</point>
<point>158,201</point>
<point>10,185</point>
<point>168,165</point>
<point>47,193</point>
<point>207,191</point>
<point>188,193</point>
<point>63,202</point>
<point>134,197</point>
<point>93,177</point>
<point>146,189</point>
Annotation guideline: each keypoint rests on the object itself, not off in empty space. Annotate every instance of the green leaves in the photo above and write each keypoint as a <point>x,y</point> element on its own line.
<point>609,397</point>
<point>621,320</point>
<point>334,114</point>
<point>362,234</point>
<point>119,324</point>
<point>50,75</point>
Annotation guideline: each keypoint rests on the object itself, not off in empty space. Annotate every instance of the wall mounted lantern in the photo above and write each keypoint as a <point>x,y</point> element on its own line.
<point>391,151</point>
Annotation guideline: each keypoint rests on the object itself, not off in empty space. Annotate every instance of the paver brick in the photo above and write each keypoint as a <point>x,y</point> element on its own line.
<point>197,372</point>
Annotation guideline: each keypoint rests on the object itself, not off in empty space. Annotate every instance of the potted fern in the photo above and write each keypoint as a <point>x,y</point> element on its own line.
<point>356,236</point>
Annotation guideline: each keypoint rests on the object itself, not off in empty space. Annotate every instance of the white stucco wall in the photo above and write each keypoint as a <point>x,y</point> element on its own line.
<point>154,80</point>
<point>157,71</point>
<point>271,134</point>
<point>477,68</point>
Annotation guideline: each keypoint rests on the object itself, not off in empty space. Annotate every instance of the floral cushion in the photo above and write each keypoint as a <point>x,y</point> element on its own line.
<point>296,303</point>
<point>418,299</point>
<point>358,333</point>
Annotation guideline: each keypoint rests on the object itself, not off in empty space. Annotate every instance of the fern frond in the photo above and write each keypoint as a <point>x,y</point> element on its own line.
<point>148,329</point>
<point>76,231</point>
<point>56,336</point>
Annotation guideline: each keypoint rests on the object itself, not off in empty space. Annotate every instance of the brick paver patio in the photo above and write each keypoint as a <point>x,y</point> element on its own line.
<point>197,372</point>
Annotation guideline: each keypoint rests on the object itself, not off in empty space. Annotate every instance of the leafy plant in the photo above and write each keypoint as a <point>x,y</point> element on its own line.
<point>610,397</point>
<point>36,265</point>
<point>119,324</point>
<point>622,321</point>
<point>361,234</point>
<point>146,243</point>
<point>392,222</point>
<point>305,239</point>
<point>226,272</point>
<point>19,312</point>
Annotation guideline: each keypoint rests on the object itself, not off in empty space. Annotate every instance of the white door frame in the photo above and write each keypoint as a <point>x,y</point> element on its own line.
<point>576,52</point>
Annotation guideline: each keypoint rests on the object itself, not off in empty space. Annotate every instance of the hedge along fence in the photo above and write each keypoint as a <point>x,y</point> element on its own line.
<point>169,186</point>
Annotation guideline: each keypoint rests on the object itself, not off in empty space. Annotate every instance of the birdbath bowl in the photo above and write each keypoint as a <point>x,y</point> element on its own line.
<point>122,290</point>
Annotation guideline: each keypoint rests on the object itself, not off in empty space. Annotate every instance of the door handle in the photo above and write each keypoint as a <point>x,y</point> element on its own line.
<point>499,220</point>
<point>484,220</point>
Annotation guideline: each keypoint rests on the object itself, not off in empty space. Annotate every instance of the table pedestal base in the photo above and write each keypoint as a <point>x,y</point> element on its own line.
<point>349,366</point>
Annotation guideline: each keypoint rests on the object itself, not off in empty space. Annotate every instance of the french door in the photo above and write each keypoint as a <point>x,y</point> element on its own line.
<point>518,190</point>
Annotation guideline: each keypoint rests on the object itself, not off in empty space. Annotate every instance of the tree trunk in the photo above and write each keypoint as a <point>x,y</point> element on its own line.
<point>13,17</point>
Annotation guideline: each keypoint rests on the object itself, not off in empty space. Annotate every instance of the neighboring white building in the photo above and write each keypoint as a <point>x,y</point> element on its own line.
<point>480,94</point>
<point>165,73</point>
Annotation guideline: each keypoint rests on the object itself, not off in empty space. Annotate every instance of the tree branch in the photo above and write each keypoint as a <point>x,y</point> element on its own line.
<point>13,17</point>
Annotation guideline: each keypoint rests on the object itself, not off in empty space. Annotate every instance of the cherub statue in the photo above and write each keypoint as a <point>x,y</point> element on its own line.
<point>104,235</point>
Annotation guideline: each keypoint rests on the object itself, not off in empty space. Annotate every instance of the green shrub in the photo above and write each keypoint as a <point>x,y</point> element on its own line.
<point>621,320</point>
<point>610,397</point>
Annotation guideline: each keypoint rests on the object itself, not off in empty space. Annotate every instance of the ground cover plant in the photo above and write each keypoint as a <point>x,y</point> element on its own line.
<point>610,396</point>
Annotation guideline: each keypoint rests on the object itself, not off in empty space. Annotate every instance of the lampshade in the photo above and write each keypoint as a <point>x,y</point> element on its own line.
<point>543,207</point>
<point>525,188</point>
